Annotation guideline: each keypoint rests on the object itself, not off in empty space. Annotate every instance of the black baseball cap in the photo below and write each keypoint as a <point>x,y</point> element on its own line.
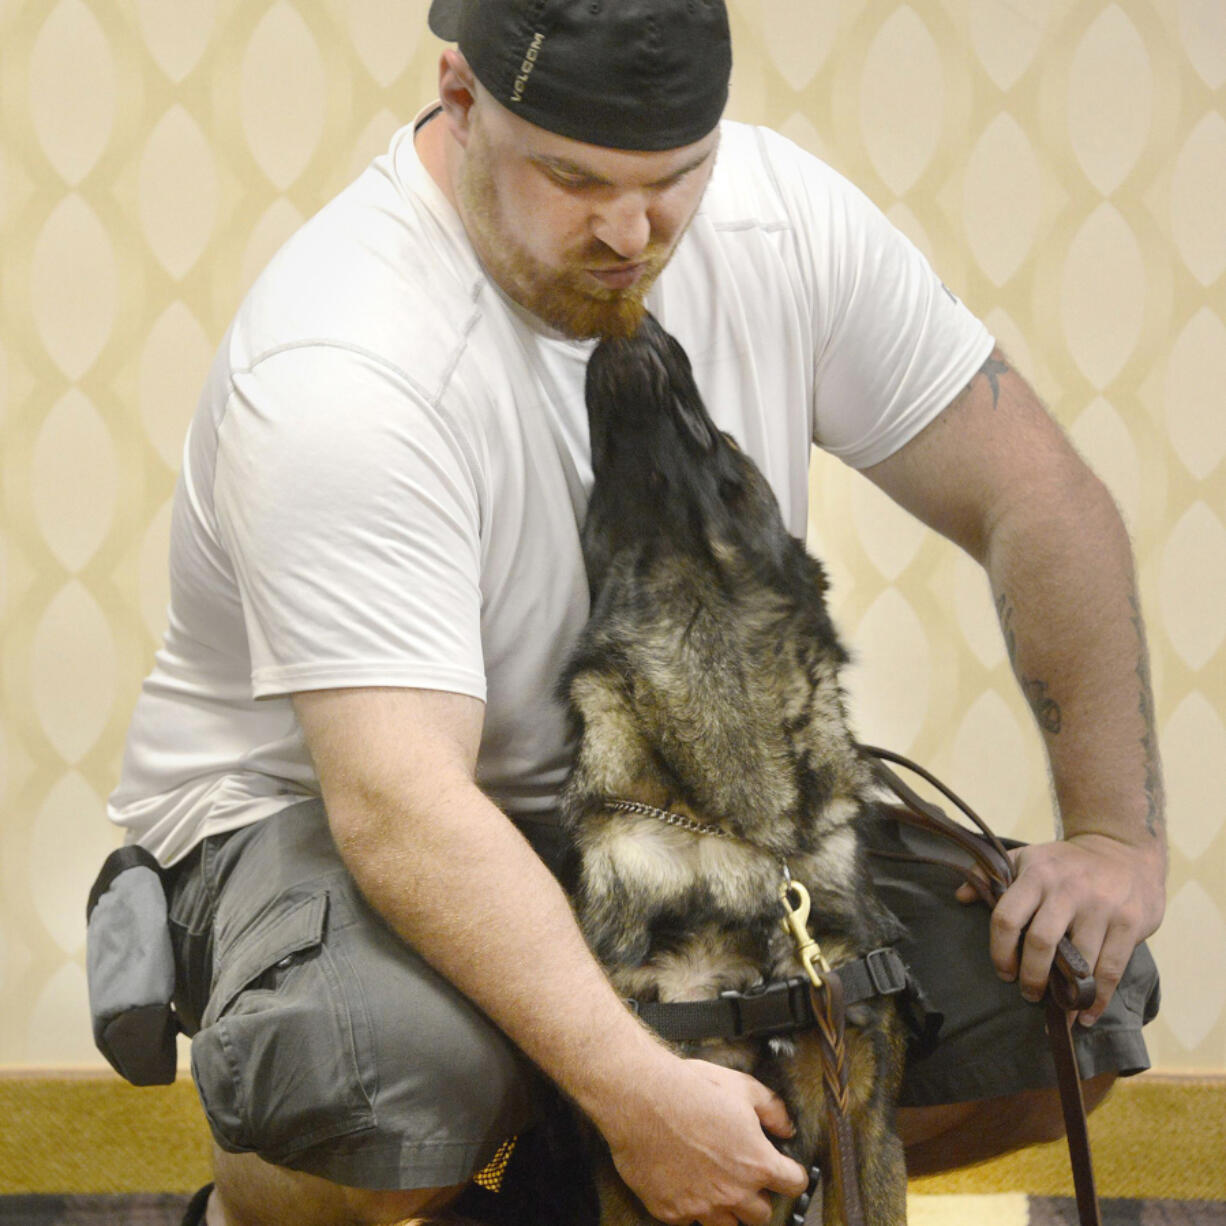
<point>625,74</point>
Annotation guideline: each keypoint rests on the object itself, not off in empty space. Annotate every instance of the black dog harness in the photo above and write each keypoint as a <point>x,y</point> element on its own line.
<point>816,1001</point>
<point>781,1007</point>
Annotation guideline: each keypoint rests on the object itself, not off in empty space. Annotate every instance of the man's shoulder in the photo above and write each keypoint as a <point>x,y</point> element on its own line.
<point>374,273</point>
<point>762,176</point>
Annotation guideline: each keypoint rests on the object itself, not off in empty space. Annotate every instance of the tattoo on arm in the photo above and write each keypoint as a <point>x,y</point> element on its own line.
<point>1155,791</point>
<point>991,370</point>
<point>1046,709</point>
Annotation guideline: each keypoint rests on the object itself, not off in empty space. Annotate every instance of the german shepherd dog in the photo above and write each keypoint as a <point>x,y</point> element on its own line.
<point>706,687</point>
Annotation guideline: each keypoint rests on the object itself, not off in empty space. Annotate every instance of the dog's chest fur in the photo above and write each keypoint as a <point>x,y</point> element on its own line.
<point>724,710</point>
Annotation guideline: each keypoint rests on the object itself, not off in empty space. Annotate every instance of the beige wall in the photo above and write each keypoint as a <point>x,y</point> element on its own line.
<point>1062,161</point>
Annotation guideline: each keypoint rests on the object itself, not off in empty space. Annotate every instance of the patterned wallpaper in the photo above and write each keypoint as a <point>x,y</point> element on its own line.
<point>1063,163</point>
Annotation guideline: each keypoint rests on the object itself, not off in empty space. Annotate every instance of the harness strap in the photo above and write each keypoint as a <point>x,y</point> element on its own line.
<point>1071,985</point>
<point>782,1006</point>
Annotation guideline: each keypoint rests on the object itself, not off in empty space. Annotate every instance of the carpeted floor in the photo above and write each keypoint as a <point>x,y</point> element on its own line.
<point>991,1210</point>
<point>82,1151</point>
<point>144,1209</point>
<point>1020,1210</point>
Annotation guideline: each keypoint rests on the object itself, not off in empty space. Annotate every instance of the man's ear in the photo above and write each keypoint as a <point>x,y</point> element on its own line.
<point>457,91</point>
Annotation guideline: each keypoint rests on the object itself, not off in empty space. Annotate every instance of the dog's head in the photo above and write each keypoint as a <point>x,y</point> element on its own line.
<point>667,479</point>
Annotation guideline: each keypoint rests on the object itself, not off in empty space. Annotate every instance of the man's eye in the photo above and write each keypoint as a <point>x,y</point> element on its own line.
<point>574,183</point>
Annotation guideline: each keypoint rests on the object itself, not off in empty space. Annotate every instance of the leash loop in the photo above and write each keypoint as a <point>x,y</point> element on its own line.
<point>1071,983</point>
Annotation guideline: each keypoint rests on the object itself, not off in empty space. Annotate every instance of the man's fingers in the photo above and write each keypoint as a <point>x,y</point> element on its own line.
<point>975,887</point>
<point>786,1175</point>
<point>1106,895</point>
<point>1013,911</point>
<point>719,1218</point>
<point>772,1112</point>
<point>1047,928</point>
<point>756,1211</point>
<point>713,1162</point>
<point>1109,967</point>
<point>789,1177</point>
<point>1088,937</point>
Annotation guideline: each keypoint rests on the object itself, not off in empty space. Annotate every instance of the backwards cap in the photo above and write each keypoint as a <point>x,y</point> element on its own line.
<point>625,74</point>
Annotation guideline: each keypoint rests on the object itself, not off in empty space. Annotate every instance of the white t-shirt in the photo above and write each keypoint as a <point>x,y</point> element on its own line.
<point>385,478</point>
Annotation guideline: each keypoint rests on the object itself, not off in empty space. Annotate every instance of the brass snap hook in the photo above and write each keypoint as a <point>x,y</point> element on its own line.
<point>796,906</point>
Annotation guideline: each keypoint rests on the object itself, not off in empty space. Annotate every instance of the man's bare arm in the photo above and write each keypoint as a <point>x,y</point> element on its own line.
<point>996,475</point>
<point>456,880</point>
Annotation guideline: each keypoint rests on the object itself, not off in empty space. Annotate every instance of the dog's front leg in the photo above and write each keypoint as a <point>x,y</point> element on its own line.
<point>618,1205</point>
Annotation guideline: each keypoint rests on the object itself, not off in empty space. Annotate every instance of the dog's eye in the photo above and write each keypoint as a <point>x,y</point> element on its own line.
<point>730,489</point>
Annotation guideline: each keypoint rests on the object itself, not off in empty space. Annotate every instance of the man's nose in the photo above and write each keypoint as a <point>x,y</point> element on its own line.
<point>624,226</point>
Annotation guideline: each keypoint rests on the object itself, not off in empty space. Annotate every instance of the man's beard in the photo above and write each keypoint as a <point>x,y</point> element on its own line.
<point>565,298</point>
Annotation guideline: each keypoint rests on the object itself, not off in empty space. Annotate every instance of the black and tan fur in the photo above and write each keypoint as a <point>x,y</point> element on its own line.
<point>707,682</point>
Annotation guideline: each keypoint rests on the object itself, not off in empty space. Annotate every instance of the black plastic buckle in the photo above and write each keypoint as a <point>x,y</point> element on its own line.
<point>886,971</point>
<point>769,1008</point>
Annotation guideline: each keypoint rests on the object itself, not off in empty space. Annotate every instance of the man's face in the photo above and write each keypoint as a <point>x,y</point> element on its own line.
<point>575,233</point>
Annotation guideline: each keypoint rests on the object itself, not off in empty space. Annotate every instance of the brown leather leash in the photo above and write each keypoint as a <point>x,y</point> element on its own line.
<point>1070,987</point>
<point>828,1005</point>
<point>829,1021</point>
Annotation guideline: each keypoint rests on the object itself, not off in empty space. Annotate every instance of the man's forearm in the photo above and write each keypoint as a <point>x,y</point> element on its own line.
<point>996,474</point>
<point>1063,580</point>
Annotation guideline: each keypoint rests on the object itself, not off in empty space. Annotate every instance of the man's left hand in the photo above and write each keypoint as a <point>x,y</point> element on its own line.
<point>1107,895</point>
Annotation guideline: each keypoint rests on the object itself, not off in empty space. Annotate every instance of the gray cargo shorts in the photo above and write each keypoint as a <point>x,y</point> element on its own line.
<point>323,1043</point>
<point>320,1040</point>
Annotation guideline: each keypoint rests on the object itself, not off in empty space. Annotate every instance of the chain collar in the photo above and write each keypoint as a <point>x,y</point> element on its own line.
<point>792,895</point>
<point>669,818</point>
<point>691,824</point>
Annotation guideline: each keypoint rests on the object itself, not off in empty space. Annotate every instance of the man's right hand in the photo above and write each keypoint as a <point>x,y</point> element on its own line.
<point>691,1145</point>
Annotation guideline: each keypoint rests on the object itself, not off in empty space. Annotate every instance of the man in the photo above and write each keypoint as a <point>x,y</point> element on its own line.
<point>376,578</point>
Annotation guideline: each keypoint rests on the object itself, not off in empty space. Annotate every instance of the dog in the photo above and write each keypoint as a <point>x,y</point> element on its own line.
<point>704,694</point>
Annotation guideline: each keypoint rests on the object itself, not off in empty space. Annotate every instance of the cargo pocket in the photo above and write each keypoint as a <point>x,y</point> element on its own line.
<point>277,1062</point>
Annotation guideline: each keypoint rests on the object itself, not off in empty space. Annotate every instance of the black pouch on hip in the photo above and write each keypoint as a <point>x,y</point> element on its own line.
<point>131,968</point>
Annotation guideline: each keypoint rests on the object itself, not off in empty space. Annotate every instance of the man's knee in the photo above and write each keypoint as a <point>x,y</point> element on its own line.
<point>1040,1113</point>
<point>252,1192</point>
<point>953,1135</point>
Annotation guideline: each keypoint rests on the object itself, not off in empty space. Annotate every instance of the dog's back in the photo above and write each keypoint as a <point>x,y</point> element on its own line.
<point>705,692</point>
